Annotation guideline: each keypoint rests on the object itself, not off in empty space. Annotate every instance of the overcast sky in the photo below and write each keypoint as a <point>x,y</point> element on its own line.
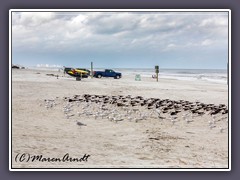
<point>197,40</point>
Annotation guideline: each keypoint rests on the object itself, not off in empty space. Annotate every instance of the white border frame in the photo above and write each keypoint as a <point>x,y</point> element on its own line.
<point>119,10</point>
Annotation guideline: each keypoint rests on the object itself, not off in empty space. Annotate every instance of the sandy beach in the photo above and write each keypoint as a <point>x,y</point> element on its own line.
<point>151,142</point>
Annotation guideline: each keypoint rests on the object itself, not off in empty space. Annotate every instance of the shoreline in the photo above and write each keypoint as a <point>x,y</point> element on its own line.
<point>175,74</point>
<point>165,88</point>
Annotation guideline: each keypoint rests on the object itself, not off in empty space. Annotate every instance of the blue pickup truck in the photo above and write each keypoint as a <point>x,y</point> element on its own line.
<point>107,73</point>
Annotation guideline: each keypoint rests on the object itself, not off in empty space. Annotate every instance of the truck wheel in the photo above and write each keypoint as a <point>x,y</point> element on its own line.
<point>117,77</point>
<point>78,79</point>
<point>99,76</point>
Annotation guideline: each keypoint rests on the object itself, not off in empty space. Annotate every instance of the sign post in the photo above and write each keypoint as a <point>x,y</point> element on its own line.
<point>91,69</point>
<point>157,71</point>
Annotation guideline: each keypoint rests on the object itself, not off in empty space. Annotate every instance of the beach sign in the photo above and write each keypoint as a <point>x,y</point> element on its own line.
<point>138,77</point>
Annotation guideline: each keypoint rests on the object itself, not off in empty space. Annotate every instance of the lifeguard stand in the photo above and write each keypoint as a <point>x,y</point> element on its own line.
<point>138,77</point>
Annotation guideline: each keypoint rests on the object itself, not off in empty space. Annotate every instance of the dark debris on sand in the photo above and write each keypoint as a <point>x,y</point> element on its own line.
<point>166,105</point>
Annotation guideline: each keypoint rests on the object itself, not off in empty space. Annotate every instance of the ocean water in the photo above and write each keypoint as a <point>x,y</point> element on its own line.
<point>211,75</point>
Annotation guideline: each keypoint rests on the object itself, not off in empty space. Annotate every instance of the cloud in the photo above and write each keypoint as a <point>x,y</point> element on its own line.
<point>214,22</point>
<point>207,42</point>
<point>34,18</point>
<point>118,32</point>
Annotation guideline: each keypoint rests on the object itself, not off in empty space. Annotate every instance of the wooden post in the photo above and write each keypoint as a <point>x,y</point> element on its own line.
<point>91,69</point>
<point>157,71</point>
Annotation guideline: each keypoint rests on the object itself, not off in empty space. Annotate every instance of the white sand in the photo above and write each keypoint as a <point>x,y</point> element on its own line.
<point>150,143</point>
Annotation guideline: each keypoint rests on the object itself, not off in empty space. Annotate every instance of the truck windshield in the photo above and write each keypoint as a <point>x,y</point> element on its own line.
<point>109,71</point>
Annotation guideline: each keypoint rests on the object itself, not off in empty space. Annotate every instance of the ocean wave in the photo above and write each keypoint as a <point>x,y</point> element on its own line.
<point>217,76</point>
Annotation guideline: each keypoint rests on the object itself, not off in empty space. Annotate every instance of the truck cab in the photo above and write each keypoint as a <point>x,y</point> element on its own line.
<point>110,73</point>
<point>107,73</point>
